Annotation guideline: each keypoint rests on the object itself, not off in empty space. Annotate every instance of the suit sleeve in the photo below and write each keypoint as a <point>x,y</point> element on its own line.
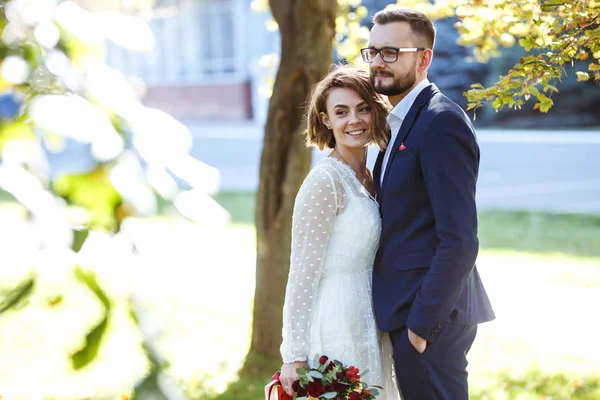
<point>450,164</point>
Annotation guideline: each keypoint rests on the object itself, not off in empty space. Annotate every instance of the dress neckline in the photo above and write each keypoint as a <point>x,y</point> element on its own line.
<point>351,172</point>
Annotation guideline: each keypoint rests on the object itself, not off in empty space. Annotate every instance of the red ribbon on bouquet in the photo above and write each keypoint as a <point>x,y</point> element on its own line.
<point>274,390</point>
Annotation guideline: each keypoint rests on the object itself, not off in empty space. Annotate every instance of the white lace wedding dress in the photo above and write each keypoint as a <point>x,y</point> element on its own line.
<point>328,305</point>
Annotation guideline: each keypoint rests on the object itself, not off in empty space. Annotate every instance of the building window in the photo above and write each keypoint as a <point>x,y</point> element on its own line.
<point>197,41</point>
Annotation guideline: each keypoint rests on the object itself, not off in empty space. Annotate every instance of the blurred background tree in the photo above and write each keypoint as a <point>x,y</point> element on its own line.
<point>285,159</point>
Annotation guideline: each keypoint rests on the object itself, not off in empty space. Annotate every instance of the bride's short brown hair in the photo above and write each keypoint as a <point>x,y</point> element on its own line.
<point>343,76</point>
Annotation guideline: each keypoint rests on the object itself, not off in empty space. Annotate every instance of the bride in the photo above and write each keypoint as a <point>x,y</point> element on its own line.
<point>335,234</point>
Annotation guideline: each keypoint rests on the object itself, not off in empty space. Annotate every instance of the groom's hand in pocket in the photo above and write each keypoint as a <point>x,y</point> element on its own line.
<point>418,342</point>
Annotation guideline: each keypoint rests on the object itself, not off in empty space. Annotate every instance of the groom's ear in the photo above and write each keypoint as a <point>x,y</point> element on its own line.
<point>425,59</point>
<point>325,119</point>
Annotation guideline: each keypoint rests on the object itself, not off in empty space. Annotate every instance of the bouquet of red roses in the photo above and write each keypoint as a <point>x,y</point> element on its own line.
<point>330,379</point>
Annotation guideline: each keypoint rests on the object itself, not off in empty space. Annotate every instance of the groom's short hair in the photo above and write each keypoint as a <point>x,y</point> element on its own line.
<point>420,24</point>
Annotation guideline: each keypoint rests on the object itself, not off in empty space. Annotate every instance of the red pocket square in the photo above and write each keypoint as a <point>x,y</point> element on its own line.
<point>402,147</point>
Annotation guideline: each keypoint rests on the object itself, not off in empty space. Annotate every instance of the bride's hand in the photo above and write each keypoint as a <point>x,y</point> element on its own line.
<point>289,375</point>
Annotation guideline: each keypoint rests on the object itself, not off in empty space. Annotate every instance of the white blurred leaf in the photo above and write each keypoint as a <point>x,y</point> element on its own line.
<point>14,69</point>
<point>109,88</point>
<point>79,22</point>
<point>49,212</point>
<point>196,173</point>
<point>13,33</point>
<point>201,208</point>
<point>71,116</point>
<point>162,182</point>
<point>29,12</point>
<point>47,34</point>
<point>57,63</point>
<point>128,178</point>
<point>107,146</point>
<point>158,137</point>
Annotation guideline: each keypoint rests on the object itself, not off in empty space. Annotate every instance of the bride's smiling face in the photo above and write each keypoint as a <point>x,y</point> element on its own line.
<point>349,117</point>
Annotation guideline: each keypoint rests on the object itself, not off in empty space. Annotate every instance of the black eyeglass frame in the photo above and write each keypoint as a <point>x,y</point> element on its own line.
<point>398,50</point>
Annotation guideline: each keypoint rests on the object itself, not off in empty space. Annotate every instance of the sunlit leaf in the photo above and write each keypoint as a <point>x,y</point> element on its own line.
<point>85,355</point>
<point>79,237</point>
<point>94,191</point>
<point>17,295</point>
<point>582,76</point>
<point>70,116</point>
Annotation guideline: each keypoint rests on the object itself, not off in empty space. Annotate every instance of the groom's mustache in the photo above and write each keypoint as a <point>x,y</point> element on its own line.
<point>383,73</point>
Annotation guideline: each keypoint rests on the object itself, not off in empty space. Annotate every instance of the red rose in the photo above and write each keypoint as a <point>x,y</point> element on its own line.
<point>323,360</point>
<point>315,389</point>
<point>330,366</point>
<point>339,376</point>
<point>340,387</point>
<point>299,389</point>
<point>354,396</point>
<point>367,392</point>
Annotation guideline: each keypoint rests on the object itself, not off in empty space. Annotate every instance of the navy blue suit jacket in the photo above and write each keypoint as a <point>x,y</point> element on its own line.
<point>424,275</point>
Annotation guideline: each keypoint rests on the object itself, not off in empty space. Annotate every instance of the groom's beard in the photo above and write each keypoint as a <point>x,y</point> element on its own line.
<point>399,85</point>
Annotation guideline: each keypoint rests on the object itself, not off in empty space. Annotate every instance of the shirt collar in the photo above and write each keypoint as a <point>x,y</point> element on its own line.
<point>402,108</point>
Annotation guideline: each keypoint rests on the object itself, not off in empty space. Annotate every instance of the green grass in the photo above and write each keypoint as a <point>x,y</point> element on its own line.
<point>253,377</point>
<point>241,205</point>
<point>522,231</point>
<point>204,304</point>
<point>542,233</point>
<point>549,248</point>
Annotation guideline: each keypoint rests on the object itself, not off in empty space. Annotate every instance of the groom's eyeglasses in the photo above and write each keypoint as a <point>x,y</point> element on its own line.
<point>388,54</point>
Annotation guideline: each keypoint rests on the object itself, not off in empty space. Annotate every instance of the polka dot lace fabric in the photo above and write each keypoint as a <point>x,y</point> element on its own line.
<point>328,305</point>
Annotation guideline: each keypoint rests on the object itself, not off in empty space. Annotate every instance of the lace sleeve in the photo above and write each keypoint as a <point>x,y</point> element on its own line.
<point>318,201</point>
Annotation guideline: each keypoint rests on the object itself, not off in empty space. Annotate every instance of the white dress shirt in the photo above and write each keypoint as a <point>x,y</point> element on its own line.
<point>397,115</point>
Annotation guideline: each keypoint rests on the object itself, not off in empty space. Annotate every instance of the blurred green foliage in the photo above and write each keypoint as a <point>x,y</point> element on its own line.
<point>555,33</point>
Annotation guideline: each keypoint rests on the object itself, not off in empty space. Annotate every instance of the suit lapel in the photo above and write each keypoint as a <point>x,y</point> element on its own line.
<point>406,126</point>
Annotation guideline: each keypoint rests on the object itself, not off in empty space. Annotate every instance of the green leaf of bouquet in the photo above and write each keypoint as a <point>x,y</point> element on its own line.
<point>316,359</point>
<point>329,395</point>
<point>316,374</point>
<point>374,392</point>
<point>364,373</point>
<point>302,398</point>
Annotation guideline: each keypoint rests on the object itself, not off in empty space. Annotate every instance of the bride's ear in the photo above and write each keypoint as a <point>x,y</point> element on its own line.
<point>325,119</point>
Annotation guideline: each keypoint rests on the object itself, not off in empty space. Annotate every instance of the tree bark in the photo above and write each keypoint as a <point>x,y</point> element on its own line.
<point>307,30</point>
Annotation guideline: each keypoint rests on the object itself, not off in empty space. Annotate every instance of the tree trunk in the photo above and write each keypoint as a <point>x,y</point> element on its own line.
<point>307,29</point>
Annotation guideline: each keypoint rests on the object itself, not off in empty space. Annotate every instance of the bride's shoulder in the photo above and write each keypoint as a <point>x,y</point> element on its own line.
<point>325,170</point>
<point>323,175</point>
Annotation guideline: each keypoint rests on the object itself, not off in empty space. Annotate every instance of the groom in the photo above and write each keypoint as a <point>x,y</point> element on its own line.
<point>426,288</point>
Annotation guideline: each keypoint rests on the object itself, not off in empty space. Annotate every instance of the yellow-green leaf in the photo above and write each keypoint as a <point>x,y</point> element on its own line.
<point>16,295</point>
<point>93,339</point>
